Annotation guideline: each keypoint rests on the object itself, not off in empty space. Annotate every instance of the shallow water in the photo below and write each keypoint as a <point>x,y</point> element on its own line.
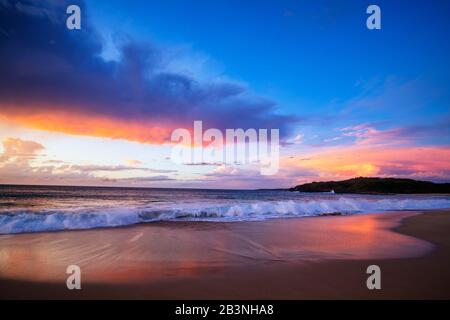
<point>147,253</point>
<point>36,209</point>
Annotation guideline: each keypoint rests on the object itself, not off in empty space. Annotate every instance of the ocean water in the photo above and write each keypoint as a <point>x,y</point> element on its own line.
<point>38,208</point>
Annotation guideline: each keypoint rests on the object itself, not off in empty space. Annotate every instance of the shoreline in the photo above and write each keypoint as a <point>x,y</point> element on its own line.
<point>250,266</point>
<point>200,221</point>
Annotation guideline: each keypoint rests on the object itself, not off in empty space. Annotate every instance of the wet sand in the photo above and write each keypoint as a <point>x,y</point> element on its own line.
<point>304,258</point>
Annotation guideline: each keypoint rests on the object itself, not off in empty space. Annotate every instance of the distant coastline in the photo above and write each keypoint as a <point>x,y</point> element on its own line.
<point>364,185</point>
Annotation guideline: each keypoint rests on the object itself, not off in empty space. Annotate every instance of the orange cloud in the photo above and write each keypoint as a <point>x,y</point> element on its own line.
<point>95,125</point>
<point>133,162</point>
<point>361,160</point>
<point>19,150</point>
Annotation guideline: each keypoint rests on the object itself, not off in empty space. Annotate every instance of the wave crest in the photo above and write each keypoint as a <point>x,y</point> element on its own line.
<point>32,221</point>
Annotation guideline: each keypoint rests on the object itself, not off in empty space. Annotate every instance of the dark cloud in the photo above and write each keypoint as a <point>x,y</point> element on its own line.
<point>47,69</point>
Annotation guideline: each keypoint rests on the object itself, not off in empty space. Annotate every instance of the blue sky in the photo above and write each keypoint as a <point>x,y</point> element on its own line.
<point>304,54</point>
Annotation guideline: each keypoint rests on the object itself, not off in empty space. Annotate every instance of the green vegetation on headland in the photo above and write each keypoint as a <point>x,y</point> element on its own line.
<point>374,186</point>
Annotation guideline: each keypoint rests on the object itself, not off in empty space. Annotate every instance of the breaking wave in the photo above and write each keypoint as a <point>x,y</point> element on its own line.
<point>21,221</point>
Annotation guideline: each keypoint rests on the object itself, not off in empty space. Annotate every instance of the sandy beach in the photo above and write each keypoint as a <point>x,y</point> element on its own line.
<point>297,258</point>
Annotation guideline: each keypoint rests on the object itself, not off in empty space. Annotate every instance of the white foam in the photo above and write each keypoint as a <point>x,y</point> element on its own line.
<point>30,221</point>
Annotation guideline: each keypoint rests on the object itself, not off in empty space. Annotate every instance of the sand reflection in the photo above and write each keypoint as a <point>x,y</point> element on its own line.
<point>149,252</point>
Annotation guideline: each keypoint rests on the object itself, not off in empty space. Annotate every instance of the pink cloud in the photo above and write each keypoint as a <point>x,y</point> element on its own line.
<point>377,160</point>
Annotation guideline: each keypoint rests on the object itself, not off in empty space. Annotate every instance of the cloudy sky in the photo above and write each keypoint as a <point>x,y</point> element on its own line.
<point>97,106</point>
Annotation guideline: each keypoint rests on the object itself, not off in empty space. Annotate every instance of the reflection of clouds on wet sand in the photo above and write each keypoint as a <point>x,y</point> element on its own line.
<point>151,252</point>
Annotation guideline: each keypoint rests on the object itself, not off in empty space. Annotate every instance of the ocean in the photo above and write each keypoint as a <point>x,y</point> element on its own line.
<point>51,208</point>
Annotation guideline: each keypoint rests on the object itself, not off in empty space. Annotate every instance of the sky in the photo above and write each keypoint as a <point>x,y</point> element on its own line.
<point>97,106</point>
